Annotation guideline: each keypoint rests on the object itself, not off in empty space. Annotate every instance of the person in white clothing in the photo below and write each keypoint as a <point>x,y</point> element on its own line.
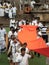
<point>14,9</point>
<point>1,9</point>
<point>10,39</point>
<point>10,12</point>
<point>16,32</point>
<point>12,22</point>
<point>11,32</point>
<point>39,33</point>
<point>2,38</point>
<point>22,58</point>
<point>16,24</point>
<point>34,21</point>
<point>14,46</point>
<point>23,22</point>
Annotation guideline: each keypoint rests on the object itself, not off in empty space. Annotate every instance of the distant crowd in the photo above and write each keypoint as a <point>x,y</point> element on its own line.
<point>7,9</point>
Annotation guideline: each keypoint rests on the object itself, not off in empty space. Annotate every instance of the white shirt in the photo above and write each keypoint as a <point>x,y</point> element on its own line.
<point>34,22</point>
<point>2,33</point>
<point>1,12</point>
<point>23,59</point>
<point>14,46</point>
<point>10,13</point>
<point>40,24</point>
<point>15,33</point>
<point>22,22</point>
<point>9,34</point>
<point>12,22</point>
<point>6,10</point>
<point>16,24</point>
<point>14,9</point>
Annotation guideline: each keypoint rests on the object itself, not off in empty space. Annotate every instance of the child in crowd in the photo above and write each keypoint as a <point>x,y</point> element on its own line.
<point>16,32</point>
<point>22,58</point>
<point>10,12</point>
<point>2,38</point>
<point>14,9</point>
<point>11,32</point>
<point>14,46</point>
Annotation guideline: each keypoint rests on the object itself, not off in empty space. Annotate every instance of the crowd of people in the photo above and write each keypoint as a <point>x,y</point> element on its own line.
<point>7,9</point>
<point>18,53</point>
<point>35,21</point>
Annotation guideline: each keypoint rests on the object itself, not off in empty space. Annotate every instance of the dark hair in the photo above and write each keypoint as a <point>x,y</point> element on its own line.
<point>25,43</point>
<point>38,18</point>
<point>11,27</point>
<point>13,37</point>
<point>9,2</point>
<point>38,28</point>
<point>16,29</point>
<point>23,49</point>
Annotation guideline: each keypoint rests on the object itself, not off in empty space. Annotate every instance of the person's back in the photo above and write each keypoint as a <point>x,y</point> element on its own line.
<point>12,22</point>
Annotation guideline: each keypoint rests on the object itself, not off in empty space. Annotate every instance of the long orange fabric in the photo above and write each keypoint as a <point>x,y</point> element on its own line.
<point>28,34</point>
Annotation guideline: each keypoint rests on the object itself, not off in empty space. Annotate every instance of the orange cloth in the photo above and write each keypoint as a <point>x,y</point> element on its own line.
<point>28,34</point>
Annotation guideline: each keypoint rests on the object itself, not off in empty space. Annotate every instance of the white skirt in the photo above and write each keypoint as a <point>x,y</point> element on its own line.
<point>14,57</point>
<point>2,44</point>
<point>10,15</point>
